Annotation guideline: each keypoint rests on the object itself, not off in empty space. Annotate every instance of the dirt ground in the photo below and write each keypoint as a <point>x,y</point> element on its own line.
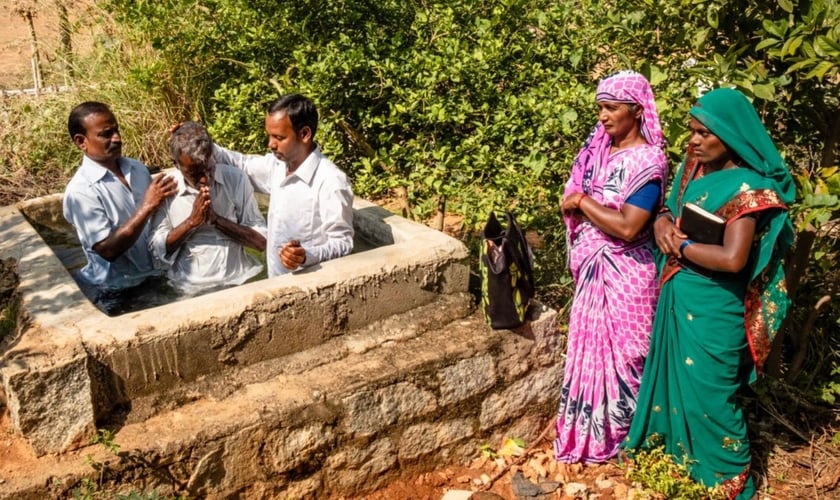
<point>16,46</point>
<point>791,474</point>
<point>16,41</point>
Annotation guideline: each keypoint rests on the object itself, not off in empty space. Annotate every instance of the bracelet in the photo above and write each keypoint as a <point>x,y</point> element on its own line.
<point>579,201</point>
<point>683,246</point>
<point>665,213</point>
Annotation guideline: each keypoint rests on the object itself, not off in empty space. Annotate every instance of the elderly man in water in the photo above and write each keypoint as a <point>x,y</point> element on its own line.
<point>201,233</point>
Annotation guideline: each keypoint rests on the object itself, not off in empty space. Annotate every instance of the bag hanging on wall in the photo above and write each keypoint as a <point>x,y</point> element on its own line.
<point>507,273</point>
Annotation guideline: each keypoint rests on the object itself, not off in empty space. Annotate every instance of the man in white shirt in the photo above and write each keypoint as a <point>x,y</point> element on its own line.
<point>310,214</point>
<point>109,201</point>
<point>201,233</point>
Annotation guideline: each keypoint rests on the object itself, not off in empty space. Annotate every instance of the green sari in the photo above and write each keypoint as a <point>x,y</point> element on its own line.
<point>712,330</point>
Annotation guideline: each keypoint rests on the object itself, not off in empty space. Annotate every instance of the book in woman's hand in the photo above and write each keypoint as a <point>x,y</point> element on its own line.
<point>701,225</point>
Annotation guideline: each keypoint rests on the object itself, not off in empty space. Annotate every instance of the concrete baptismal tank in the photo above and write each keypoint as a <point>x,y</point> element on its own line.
<point>322,382</point>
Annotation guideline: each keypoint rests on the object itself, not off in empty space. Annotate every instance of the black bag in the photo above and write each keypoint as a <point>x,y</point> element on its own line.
<point>507,273</point>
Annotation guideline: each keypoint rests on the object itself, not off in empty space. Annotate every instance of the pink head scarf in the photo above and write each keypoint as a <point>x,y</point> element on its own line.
<point>631,87</point>
<point>627,87</point>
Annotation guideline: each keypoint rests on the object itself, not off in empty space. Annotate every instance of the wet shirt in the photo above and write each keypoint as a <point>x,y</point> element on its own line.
<point>314,205</point>
<point>96,203</point>
<point>208,257</point>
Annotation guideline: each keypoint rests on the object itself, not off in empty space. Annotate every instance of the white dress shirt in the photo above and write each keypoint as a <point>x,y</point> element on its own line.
<point>208,257</point>
<point>96,203</point>
<point>314,205</point>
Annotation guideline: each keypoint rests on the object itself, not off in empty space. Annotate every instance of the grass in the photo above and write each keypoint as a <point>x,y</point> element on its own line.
<point>38,157</point>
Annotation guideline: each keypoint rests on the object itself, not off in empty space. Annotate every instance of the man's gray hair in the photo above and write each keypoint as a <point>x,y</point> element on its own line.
<point>192,140</point>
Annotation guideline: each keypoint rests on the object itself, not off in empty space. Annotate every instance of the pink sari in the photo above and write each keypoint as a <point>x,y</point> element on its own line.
<point>615,287</point>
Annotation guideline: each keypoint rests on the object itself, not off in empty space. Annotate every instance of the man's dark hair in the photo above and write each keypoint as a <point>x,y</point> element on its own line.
<point>75,124</point>
<point>300,110</point>
<point>191,139</point>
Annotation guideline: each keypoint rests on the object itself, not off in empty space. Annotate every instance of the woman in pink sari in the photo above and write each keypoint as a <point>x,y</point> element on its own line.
<point>617,183</point>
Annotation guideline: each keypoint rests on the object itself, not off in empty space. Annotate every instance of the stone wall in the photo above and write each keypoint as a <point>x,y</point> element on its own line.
<point>392,404</point>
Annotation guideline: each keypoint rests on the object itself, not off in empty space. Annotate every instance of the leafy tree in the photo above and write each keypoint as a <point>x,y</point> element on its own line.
<point>463,103</point>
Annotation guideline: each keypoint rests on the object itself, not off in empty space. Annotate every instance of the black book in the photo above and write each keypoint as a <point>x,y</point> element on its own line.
<point>701,225</point>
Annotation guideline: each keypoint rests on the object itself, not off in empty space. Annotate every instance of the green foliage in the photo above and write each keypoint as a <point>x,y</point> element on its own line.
<point>105,438</point>
<point>820,193</point>
<point>806,36</point>
<point>87,490</point>
<point>830,391</point>
<point>461,102</point>
<point>88,487</point>
<point>487,451</point>
<point>475,104</point>
<point>38,157</point>
<point>20,131</point>
<point>657,471</point>
<point>154,495</point>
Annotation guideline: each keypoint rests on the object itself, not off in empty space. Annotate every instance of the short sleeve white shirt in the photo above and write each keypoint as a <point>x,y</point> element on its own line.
<point>96,203</point>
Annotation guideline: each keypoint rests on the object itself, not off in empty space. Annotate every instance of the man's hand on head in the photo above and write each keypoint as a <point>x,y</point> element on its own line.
<point>174,127</point>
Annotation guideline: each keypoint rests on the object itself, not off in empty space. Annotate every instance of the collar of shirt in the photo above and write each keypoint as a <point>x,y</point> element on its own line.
<point>94,171</point>
<point>183,188</point>
<point>306,171</point>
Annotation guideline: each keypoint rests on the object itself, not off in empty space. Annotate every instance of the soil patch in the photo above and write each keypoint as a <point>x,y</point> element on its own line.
<point>16,40</point>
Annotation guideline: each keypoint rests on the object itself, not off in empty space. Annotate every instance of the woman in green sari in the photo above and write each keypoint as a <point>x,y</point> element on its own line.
<point>721,302</point>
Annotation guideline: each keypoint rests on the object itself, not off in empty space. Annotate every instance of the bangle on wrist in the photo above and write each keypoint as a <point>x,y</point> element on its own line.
<point>665,213</point>
<point>579,201</point>
<point>683,246</point>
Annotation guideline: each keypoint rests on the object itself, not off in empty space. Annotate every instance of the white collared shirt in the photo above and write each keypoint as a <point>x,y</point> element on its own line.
<point>208,257</point>
<point>314,205</point>
<point>96,203</point>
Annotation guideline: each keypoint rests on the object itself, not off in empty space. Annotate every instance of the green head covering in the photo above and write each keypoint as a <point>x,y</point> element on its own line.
<point>729,115</point>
